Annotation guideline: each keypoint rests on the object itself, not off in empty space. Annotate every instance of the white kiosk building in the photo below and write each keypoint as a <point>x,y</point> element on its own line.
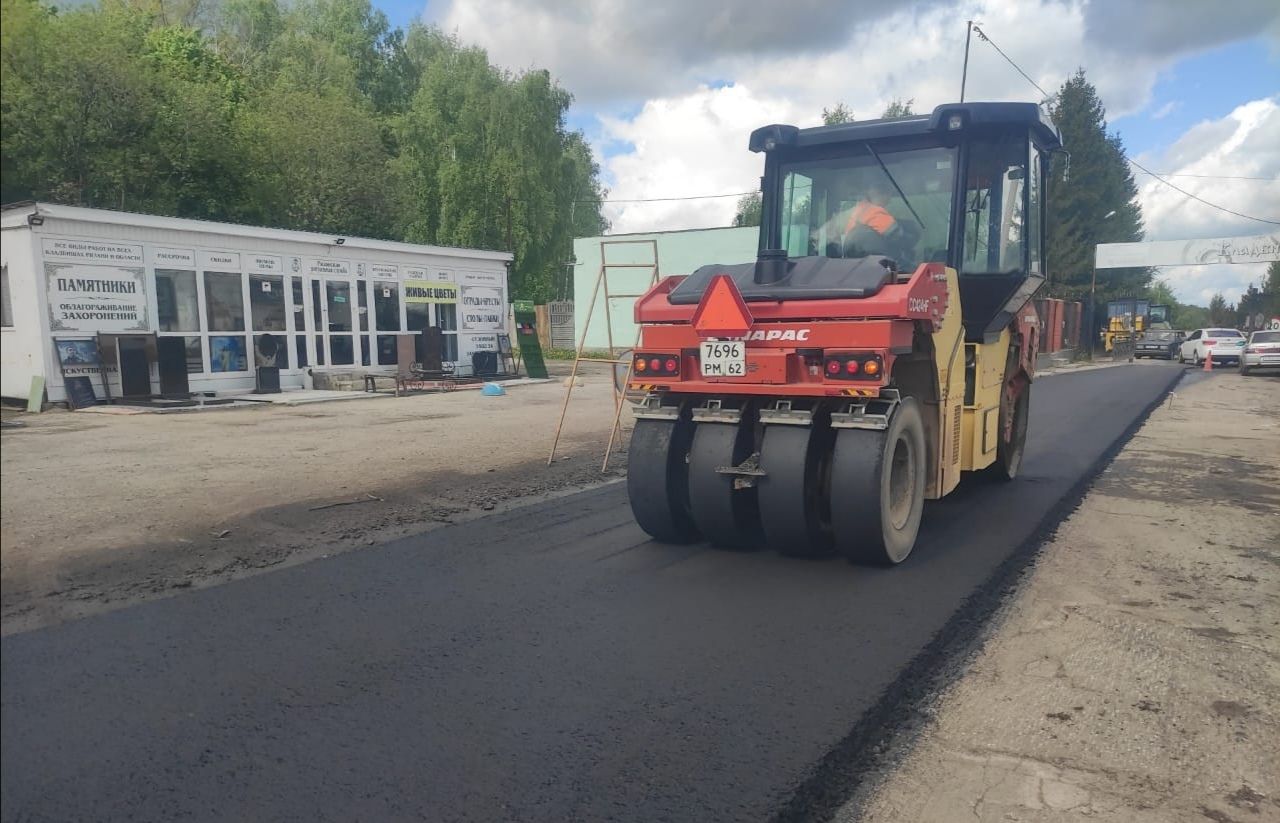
<point>157,293</point>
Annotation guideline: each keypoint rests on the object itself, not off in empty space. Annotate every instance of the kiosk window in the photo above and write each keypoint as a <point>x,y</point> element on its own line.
<point>6,307</point>
<point>386,306</point>
<point>195,354</point>
<point>177,304</point>
<point>266,302</point>
<point>418,315</point>
<point>224,301</point>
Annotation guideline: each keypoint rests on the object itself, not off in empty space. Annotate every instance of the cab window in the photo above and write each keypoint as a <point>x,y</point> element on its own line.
<point>995,220</point>
<point>885,202</point>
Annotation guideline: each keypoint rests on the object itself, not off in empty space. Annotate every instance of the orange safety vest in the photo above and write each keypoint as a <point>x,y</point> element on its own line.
<point>876,218</point>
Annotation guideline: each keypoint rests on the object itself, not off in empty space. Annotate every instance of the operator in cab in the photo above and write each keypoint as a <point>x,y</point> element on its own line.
<point>867,227</point>
<point>871,229</point>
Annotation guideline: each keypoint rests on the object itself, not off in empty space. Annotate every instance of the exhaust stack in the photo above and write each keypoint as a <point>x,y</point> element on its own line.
<point>771,266</point>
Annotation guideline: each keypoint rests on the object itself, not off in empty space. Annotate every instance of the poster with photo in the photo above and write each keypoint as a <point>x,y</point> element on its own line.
<point>78,357</point>
<point>227,354</point>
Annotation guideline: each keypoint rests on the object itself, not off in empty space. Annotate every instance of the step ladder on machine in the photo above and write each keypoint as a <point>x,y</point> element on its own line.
<point>614,360</point>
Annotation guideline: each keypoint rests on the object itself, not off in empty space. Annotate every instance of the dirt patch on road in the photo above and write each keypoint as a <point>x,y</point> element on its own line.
<point>104,511</point>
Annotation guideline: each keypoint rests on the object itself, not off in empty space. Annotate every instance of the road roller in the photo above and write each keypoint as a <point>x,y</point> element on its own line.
<point>881,346</point>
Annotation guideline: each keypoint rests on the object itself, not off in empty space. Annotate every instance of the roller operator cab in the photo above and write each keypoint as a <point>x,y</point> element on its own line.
<point>881,344</point>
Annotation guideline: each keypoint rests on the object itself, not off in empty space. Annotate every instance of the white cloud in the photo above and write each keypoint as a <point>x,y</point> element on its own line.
<point>700,75</point>
<point>1198,284</point>
<point>1245,143</point>
<point>606,51</point>
<point>689,145</point>
<point>1166,110</point>
<point>701,135</point>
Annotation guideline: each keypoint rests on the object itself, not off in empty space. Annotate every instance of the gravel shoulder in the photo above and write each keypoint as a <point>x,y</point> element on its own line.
<point>102,511</point>
<point>1135,675</point>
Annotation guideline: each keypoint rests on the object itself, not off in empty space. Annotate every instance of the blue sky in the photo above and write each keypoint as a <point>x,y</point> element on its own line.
<point>1199,87</point>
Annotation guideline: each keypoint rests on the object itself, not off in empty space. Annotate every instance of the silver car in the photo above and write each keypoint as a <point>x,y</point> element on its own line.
<point>1261,351</point>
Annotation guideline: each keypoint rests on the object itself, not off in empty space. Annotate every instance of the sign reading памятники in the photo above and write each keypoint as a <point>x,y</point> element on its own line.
<point>96,298</point>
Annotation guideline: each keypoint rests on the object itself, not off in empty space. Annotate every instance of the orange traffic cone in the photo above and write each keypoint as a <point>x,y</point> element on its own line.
<point>1208,360</point>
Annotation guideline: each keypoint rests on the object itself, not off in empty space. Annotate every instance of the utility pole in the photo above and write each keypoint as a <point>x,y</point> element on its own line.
<point>964,73</point>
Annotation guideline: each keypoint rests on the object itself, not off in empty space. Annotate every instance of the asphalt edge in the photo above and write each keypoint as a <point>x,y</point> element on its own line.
<point>904,709</point>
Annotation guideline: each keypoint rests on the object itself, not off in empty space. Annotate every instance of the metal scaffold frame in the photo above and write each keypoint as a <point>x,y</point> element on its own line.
<point>619,391</point>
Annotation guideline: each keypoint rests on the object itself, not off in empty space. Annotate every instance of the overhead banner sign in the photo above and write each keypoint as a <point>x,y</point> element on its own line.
<point>429,291</point>
<point>1264,248</point>
<point>264,264</point>
<point>219,260</point>
<point>482,308</point>
<point>328,266</point>
<point>91,251</point>
<point>181,259</point>
<point>96,298</point>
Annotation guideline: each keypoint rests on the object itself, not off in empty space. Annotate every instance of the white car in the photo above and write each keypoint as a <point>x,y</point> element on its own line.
<point>1224,344</point>
<point>1261,351</point>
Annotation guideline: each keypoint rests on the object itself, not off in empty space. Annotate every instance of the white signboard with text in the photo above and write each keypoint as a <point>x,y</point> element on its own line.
<point>482,309</point>
<point>180,259</point>
<point>328,267</point>
<point>219,260</point>
<point>91,251</point>
<point>1264,248</point>
<point>263,264</point>
<point>96,298</point>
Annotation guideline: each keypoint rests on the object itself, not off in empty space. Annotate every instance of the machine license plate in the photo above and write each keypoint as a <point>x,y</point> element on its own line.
<point>724,359</point>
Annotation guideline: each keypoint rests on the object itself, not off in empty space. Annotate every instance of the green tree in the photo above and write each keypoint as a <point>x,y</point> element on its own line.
<point>1096,204</point>
<point>836,115</point>
<point>315,164</point>
<point>899,108</point>
<point>749,209</point>
<point>315,115</point>
<point>1220,312</point>
<point>1189,318</point>
<point>487,161</point>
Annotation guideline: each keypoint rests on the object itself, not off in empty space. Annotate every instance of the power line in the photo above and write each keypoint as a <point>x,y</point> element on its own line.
<point>1201,199</point>
<point>609,201</point>
<point>1217,176</point>
<point>983,36</point>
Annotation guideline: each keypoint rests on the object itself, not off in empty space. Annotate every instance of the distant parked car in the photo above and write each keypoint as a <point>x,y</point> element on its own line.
<point>1224,344</point>
<point>1162,343</point>
<point>1261,351</point>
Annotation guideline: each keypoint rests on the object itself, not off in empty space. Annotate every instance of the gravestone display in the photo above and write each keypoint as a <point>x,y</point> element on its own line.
<point>172,359</point>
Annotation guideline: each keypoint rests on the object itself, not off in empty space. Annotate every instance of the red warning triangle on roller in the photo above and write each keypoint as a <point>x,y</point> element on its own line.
<point>722,312</point>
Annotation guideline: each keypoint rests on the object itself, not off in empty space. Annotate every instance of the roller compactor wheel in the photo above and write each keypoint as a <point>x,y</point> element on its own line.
<point>795,503</point>
<point>724,509</point>
<point>1009,452</point>
<point>658,479</point>
<point>877,488</point>
<point>858,492</point>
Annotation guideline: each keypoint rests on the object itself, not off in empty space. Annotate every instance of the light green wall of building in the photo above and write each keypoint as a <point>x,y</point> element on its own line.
<point>679,252</point>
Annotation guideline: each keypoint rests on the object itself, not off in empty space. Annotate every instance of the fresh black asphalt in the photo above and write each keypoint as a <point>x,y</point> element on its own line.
<point>546,664</point>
